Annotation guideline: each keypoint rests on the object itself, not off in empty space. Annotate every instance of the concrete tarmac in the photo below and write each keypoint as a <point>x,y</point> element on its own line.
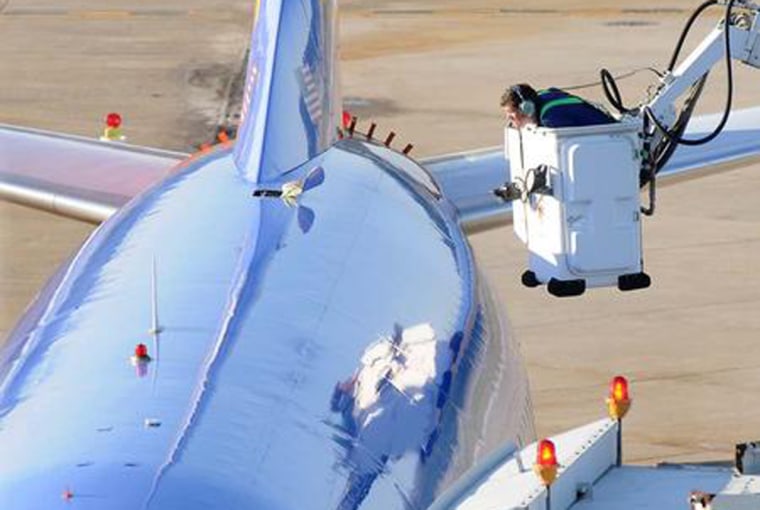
<point>433,70</point>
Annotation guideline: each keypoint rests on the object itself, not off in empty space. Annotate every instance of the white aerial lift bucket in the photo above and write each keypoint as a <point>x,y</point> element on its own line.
<point>580,212</point>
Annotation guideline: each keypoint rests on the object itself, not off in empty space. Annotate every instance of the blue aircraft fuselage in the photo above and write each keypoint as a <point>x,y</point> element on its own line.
<point>333,351</point>
<point>272,331</point>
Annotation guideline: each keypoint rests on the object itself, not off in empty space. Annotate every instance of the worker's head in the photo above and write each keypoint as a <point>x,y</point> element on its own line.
<point>519,105</point>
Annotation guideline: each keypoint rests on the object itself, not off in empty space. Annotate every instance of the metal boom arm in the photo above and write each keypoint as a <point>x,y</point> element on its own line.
<point>744,46</point>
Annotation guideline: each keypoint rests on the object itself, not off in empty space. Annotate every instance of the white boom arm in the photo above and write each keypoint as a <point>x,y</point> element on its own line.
<point>744,31</point>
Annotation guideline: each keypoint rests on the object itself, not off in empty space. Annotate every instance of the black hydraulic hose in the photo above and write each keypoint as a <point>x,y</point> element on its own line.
<point>665,149</point>
<point>609,86</point>
<point>611,91</point>
<point>671,136</point>
<point>686,30</point>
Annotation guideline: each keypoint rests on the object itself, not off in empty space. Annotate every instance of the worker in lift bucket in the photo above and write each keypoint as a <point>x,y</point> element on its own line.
<point>552,108</point>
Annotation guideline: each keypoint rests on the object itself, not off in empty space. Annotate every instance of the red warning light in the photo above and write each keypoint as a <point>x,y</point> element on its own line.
<point>546,454</point>
<point>113,120</point>
<point>619,401</point>
<point>619,388</point>
<point>546,465</point>
<point>141,352</point>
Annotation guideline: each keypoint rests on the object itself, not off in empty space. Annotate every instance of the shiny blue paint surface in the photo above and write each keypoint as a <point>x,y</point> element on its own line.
<point>287,373</point>
<point>289,111</point>
<point>335,352</point>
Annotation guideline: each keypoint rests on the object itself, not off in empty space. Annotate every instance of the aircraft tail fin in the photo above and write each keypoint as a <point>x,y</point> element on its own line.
<point>291,104</point>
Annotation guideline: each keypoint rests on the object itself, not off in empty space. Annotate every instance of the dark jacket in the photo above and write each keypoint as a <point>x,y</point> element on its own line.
<point>556,108</point>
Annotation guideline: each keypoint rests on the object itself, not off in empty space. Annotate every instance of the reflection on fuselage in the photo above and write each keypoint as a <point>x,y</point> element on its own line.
<point>397,382</point>
<point>354,364</point>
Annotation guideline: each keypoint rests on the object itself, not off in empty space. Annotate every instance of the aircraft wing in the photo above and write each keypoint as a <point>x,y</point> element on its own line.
<point>89,180</point>
<point>73,176</point>
<point>467,178</point>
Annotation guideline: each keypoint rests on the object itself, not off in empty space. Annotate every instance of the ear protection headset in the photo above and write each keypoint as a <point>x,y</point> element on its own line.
<point>526,106</point>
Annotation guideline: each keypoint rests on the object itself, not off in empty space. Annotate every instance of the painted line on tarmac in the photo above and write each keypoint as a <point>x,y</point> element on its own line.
<point>530,11</point>
<point>102,14</point>
<point>99,13</point>
<point>116,14</point>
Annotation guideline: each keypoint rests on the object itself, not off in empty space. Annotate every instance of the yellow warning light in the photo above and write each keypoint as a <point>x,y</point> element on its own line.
<point>618,401</point>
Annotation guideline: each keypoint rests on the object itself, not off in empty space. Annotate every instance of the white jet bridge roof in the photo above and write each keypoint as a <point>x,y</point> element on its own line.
<point>589,479</point>
<point>655,488</point>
